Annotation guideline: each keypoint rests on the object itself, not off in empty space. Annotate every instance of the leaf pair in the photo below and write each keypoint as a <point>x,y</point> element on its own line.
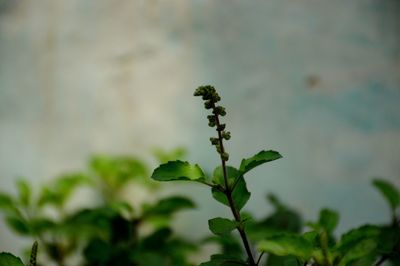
<point>178,170</point>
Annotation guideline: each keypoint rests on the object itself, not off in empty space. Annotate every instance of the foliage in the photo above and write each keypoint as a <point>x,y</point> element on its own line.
<point>117,232</point>
<point>113,231</point>
<point>280,235</point>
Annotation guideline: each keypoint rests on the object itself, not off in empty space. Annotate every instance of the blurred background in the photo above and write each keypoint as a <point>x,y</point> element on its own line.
<point>318,81</point>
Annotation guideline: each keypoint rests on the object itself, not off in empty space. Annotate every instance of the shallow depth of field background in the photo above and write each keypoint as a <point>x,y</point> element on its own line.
<point>317,80</point>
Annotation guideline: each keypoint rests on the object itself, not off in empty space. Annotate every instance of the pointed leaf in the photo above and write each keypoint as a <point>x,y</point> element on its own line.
<point>328,219</point>
<point>7,204</point>
<point>360,250</point>
<point>240,194</point>
<point>389,191</point>
<point>260,158</point>
<point>8,259</point>
<point>354,236</point>
<point>19,225</point>
<point>285,244</point>
<point>178,170</point>
<point>58,191</point>
<point>221,226</point>
<point>24,192</point>
<point>169,205</point>
<point>231,172</point>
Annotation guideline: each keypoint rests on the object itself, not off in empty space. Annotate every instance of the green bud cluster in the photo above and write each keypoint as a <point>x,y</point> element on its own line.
<point>211,97</point>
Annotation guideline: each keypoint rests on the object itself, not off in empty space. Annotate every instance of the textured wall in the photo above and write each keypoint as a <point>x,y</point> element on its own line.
<point>318,81</point>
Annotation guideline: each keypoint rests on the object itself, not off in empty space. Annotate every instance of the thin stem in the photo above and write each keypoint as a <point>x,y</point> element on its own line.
<point>259,258</point>
<point>228,193</point>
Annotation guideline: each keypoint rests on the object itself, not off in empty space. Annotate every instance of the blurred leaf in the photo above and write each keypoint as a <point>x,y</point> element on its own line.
<point>7,204</point>
<point>19,225</point>
<point>165,156</point>
<point>60,189</point>
<point>240,194</point>
<point>121,230</point>
<point>157,239</point>
<point>260,158</point>
<point>24,192</point>
<point>274,260</point>
<point>360,250</point>
<point>221,226</point>
<point>389,191</point>
<point>168,206</point>
<point>8,259</point>
<point>117,171</point>
<point>41,225</point>
<point>228,244</point>
<point>97,252</point>
<point>178,170</point>
<point>354,236</point>
<point>328,219</point>
<point>223,260</point>
<point>287,244</point>
<point>283,219</point>
<point>90,221</point>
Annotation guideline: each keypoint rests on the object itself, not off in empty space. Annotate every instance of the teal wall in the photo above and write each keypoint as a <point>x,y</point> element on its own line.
<point>318,81</point>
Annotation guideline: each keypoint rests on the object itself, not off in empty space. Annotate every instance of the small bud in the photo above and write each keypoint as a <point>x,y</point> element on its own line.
<point>211,124</point>
<point>221,127</point>
<point>225,156</point>
<point>218,148</point>
<point>208,104</point>
<point>214,141</point>
<point>219,110</point>
<point>226,135</point>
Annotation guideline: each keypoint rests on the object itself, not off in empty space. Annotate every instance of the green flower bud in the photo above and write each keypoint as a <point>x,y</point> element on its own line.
<point>214,141</point>
<point>208,104</point>
<point>221,127</point>
<point>225,156</point>
<point>226,135</point>
<point>218,148</point>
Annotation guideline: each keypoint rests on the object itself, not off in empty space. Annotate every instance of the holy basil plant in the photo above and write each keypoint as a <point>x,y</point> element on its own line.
<point>279,236</point>
<point>227,183</point>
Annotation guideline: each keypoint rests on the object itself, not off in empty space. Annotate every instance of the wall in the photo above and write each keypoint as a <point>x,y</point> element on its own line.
<point>318,81</point>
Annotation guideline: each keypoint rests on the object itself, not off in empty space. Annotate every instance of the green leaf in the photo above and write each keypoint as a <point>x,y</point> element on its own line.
<point>8,259</point>
<point>287,244</point>
<point>8,205</point>
<point>117,171</point>
<point>168,206</point>
<point>24,192</point>
<point>97,251</point>
<point>223,260</point>
<point>274,260</point>
<point>355,236</point>
<point>231,172</point>
<point>240,194</point>
<point>19,225</point>
<point>164,156</point>
<point>59,190</point>
<point>221,226</point>
<point>360,250</point>
<point>260,158</point>
<point>389,191</point>
<point>328,219</point>
<point>178,170</point>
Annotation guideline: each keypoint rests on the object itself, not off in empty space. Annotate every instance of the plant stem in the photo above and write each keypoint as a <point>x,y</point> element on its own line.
<point>228,192</point>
